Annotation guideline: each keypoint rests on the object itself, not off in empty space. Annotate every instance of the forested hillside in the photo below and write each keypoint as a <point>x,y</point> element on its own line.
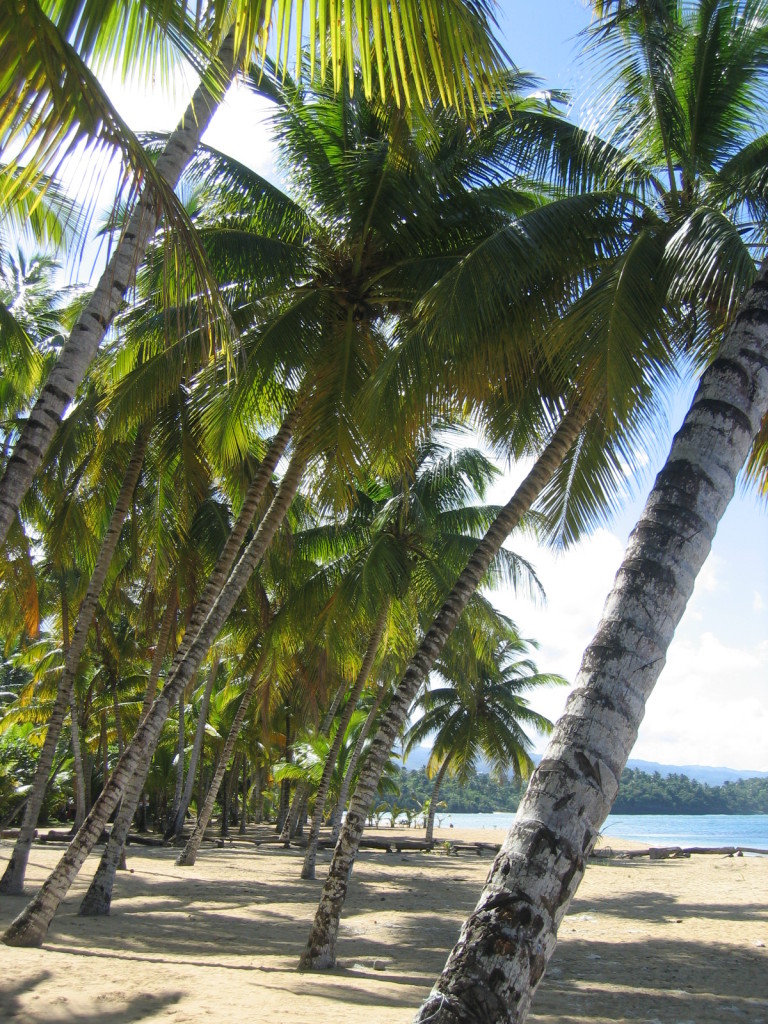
<point>639,793</point>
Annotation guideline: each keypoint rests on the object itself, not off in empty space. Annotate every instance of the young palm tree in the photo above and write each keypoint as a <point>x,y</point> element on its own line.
<point>480,712</point>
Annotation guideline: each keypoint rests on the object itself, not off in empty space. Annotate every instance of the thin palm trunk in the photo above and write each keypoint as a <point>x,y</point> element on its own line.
<point>352,766</point>
<point>81,808</point>
<point>12,882</point>
<point>505,945</point>
<point>430,831</point>
<point>178,823</point>
<point>98,899</point>
<point>181,746</point>
<point>302,793</point>
<point>320,951</point>
<point>283,806</point>
<point>374,642</point>
<point>77,761</point>
<point>31,926</point>
<point>244,798</point>
<point>189,853</point>
<point>106,299</point>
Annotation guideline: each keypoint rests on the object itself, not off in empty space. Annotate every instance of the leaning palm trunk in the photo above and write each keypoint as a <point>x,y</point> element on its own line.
<point>188,855</point>
<point>13,878</point>
<point>349,775</point>
<point>98,899</point>
<point>178,823</point>
<point>107,298</point>
<point>31,926</point>
<point>430,830</point>
<point>492,973</point>
<point>320,950</point>
<point>99,896</point>
<point>374,642</point>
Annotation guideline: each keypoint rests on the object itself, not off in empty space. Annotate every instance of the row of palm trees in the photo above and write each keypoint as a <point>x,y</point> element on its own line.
<point>291,510</point>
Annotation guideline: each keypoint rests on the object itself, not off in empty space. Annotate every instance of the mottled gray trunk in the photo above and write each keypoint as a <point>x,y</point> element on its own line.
<point>77,760</point>
<point>430,831</point>
<point>12,882</point>
<point>106,299</point>
<point>244,798</point>
<point>31,926</point>
<point>505,945</point>
<point>320,951</point>
<point>338,814</point>
<point>374,642</point>
<point>181,746</point>
<point>178,823</point>
<point>301,796</point>
<point>189,853</point>
<point>99,896</point>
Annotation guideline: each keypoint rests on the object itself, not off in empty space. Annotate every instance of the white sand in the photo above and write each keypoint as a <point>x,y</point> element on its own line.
<point>668,942</point>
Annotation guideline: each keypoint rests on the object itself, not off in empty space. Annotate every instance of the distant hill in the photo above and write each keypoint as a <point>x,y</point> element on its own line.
<point>701,773</point>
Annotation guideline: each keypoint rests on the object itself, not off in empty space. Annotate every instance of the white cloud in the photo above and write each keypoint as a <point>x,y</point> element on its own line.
<point>758,604</point>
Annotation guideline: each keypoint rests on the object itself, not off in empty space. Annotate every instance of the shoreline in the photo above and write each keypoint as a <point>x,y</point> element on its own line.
<point>671,940</point>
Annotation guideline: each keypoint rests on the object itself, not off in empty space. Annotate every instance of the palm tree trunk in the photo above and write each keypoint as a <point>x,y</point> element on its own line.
<point>31,926</point>
<point>178,823</point>
<point>107,297</point>
<point>505,945</point>
<point>374,642</point>
<point>430,832</point>
<point>98,899</point>
<point>301,796</point>
<point>283,806</point>
<point>244,798</point>
<point>167,624</point>
<point>356,754</point>
<point>258,811</point>
<point>189,853</point>
<point>320,949</point>
<point>12,882</point>
<point>181,746</point>
<point>77,759</point>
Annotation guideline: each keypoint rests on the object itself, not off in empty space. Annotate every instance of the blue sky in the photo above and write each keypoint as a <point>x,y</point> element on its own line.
<point>711,703</point>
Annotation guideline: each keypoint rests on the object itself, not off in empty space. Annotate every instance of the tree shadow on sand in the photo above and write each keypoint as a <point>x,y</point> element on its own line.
<point>655,979</point>
<point>17,1000</point>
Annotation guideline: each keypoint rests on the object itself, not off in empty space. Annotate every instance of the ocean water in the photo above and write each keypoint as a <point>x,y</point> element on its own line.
<point>653,829</point>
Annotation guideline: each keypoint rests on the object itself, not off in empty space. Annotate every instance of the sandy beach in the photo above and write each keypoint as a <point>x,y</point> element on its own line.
<point>658,942</point>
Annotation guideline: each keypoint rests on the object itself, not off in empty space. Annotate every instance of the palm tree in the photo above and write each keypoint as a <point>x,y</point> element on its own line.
<point>631,317</point>
<point>452,30</point>
<point>480,712</point>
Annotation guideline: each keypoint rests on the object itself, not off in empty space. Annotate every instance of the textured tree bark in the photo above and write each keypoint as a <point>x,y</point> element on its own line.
<point>98,899</point>
<point>108,295</point>
<point>338,814</point>
<point>374,642</point>
<point>31,926</point>
<point>188,855</point>
<point>181,745</point>
<point>12,882</point>
<point>320,951</point>
<point>492,973</point>
<point>301,796</point>
<point>430,831</point>
<point>178,823</point>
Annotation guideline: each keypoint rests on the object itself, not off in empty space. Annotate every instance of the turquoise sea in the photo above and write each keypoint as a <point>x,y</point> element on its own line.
<point>653,829</point>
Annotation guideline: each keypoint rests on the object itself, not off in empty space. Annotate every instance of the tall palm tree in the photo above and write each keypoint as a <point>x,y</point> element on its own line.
<point>632,315</point>
<point>480,711</point>
<point>449,50</point>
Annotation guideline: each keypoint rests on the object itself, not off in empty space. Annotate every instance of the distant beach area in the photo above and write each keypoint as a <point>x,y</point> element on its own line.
<point>673,940</point>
